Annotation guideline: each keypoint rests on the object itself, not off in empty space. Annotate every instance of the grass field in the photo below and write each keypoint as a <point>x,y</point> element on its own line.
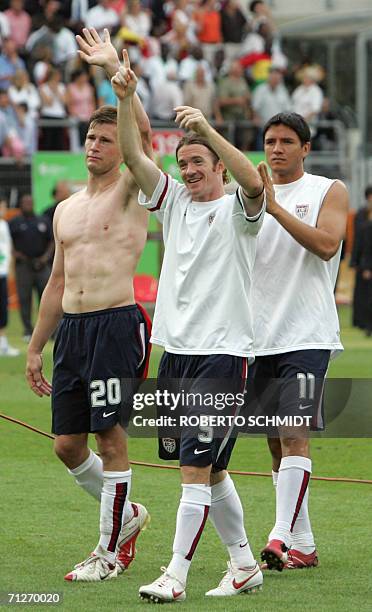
<point>48,524</point>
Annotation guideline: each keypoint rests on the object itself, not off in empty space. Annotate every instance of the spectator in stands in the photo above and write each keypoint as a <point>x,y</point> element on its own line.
<point>233,97</point>
<point>189,64</point>
<point>182,33</point>
<point>5,256</point>
<point>28,129</point>
<point>53,106</point>
<point>12,113</point>
<point>8,142</point>
<point>78,13</point>
<point>158,65</point>
<point>269,99</point>
<point>261,13</point>
<point>19,23</point>
<point>208,27</point>
<point>136,19</point>
<point>80,101</point>
<point>4,27</point>
<point>64,45</point>
<point>166,97</point>
<point>105,93</point>
<point>23,91</point>
<point>358,260</point>
<point>143,89</point>
<point>199,93</point>
<point>233,27</point>
<point>102,16</point>
<point>307,98</point>
<point>10,62</point>
<point>33,245</point>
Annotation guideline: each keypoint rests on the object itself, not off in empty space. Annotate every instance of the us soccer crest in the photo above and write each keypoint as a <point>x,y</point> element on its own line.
<point>302,210</point>
<point>169,444</point>
<point>211,219</point>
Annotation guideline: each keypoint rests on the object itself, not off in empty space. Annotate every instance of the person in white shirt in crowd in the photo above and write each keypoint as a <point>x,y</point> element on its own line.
<point>102,16</point>
<point>5,258</point>
<point>159,63</point>
<point>190,63</point>
<point>307,98</point>
<point>269,99</point>
<point>136,19</point>
<point>22,90</point>
<point>201,94</point>
<point>53,106</point>
<point>166,97</point>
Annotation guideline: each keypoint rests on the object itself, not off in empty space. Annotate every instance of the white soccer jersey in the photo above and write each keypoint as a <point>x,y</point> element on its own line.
<point>293,290</point>
<point>203,305</point>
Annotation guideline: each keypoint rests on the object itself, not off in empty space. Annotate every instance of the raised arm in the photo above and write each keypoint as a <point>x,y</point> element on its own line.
<point>144,170</point>
<point>235,161</point>
<point>324,239</point>
<point>97,51</point>
<point>50,313</point>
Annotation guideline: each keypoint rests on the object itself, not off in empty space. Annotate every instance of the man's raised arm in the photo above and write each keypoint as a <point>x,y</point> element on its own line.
<point>97,51</point>
<point>235,161</point>
<point>144,170</point>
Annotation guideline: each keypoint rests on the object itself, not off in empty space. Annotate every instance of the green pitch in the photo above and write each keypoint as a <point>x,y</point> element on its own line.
<point>47,524</point>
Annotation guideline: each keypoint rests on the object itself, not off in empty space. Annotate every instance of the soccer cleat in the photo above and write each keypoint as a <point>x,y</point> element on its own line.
<point>298,560</point>
<point>274,555</point>
<point>166,588</point>
<point>93,569</point>
<point>129,533</point>
<point>238,580</point>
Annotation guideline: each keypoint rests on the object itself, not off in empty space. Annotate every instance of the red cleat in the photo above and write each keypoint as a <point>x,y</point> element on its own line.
<point>298,560</point>
<point>274,555</point>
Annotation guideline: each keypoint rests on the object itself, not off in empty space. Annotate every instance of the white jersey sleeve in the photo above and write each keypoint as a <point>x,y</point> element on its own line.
<point>252,225</point>
<point>166,194</point>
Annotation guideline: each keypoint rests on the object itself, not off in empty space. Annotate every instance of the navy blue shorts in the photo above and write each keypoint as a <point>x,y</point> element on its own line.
<point>289,384</point>
<point>201,376</point>
<point>93,353</point>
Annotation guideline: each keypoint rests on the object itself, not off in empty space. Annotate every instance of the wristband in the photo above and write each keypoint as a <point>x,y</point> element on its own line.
<point>255,196</point>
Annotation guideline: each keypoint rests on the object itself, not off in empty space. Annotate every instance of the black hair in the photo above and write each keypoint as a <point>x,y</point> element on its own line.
<point>253,4</point>
<point>292,120</point>
<point>368,191</point>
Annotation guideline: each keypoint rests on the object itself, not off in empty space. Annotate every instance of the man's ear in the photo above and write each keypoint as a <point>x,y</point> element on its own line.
<point>306,148</point>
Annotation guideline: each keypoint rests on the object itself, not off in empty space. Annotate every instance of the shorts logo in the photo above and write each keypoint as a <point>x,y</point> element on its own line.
<point>211,219</point>
<point>302,210</point>
<point>169,444</point>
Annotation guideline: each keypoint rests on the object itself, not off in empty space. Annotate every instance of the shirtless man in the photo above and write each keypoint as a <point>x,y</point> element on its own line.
<point>99,234</point>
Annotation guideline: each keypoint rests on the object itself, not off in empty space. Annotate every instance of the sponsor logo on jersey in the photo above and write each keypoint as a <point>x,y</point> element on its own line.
<point>301,210</point>
<point>169,444</point>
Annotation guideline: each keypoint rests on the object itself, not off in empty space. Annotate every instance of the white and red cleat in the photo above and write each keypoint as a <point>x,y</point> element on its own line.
<point>93,569</point>
<point>166,588</point>
<point>129,533</point>
<point>238,580</point>
<point>274,555</point>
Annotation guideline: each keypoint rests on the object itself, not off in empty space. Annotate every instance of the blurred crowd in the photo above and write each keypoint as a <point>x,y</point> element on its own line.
<point>222,56</point>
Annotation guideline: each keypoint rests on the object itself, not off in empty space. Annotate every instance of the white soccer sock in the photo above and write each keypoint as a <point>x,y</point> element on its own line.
<point>293,479</point>
<point>302,535</point>
<point>275,478</point>
<point>115,492</point>
<point>191,518</point>
<point>227,516</point>
<point>89,476</point>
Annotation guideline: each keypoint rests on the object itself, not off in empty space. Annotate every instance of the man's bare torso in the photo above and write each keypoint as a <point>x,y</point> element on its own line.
<point>101,239</point>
